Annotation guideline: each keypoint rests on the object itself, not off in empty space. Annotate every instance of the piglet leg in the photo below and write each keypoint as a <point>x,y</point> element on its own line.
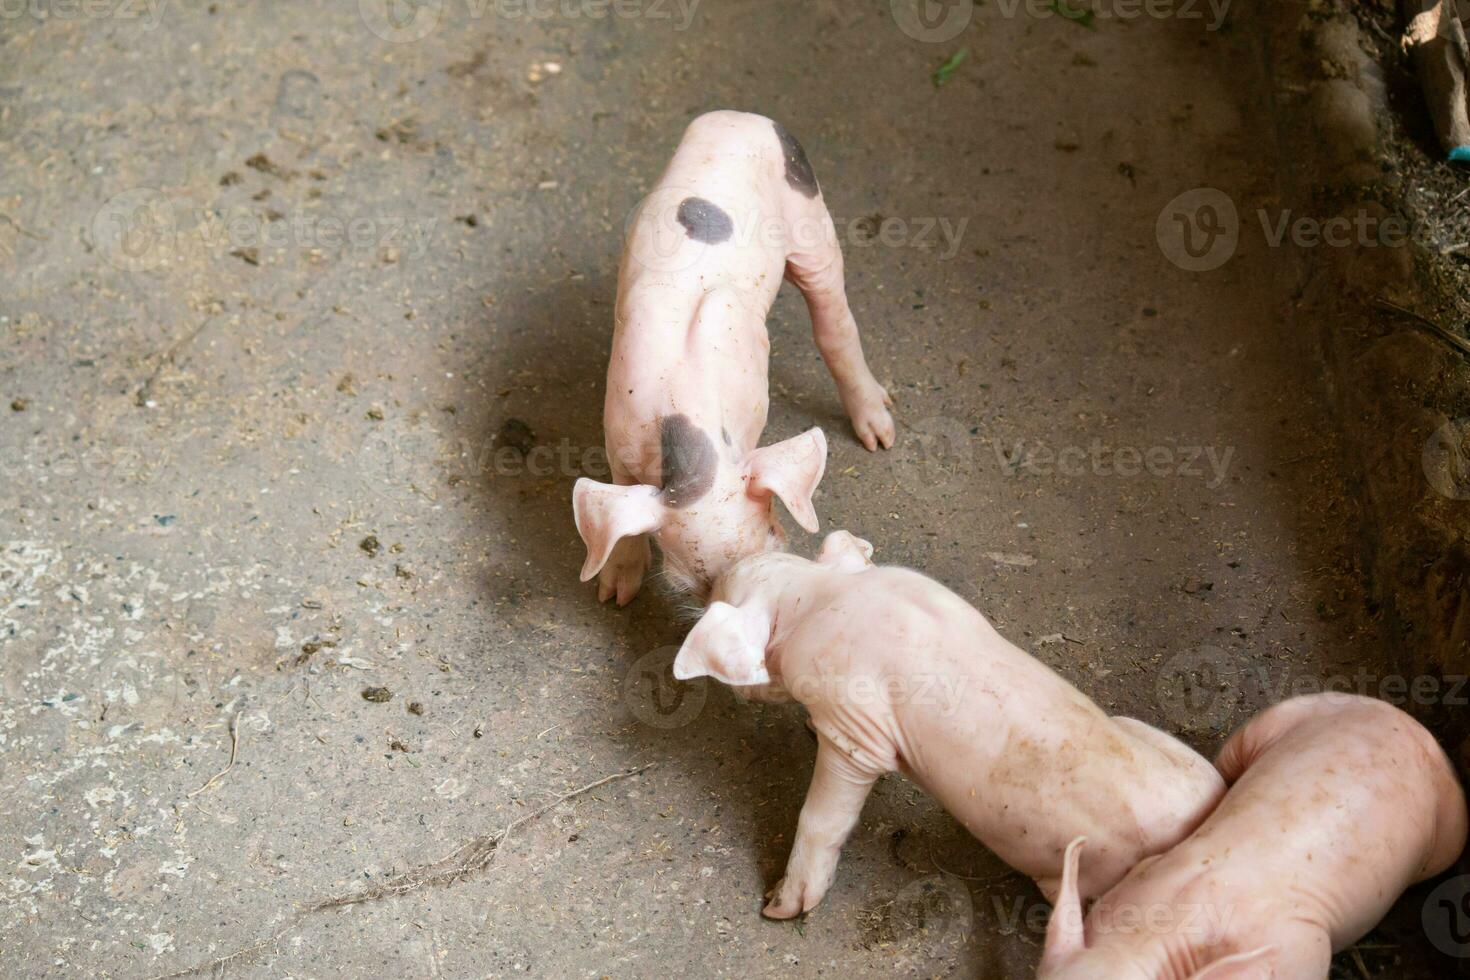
<point>622,576</point>
<point>816,268</point>
<point>833,804</point>
<point>631,557</point>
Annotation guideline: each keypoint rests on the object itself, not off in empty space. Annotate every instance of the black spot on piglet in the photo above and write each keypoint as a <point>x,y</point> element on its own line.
<point>705,222</point>
<point>799,172</point>
<point>689,461</point>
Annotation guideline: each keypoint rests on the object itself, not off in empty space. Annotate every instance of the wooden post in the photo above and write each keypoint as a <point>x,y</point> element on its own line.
<point>1436,38</point>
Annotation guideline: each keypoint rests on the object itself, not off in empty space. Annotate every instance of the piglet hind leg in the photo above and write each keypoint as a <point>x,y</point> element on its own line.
<point>833,804</point>
<point>815,266</point>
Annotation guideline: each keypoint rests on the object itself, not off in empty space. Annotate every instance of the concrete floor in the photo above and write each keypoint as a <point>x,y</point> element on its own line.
<point>281,300</point>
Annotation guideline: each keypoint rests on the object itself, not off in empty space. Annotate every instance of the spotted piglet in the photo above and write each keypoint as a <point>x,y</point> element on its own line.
<point>738,207</point>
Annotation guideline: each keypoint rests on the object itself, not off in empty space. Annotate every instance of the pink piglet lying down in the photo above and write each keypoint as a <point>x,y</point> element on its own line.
<point>1339,803</point>
<point>737,209</point>
<point>900,674</point>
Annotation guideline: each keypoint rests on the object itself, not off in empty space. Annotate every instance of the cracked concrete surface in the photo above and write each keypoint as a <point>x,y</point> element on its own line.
<point>304,321</point>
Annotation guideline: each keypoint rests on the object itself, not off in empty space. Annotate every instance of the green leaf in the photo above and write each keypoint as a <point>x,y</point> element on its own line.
<point>947,70</point>
<point>1074,14</point>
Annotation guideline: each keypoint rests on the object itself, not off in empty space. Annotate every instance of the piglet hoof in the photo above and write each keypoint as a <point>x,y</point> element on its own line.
<point>620,581</point>
<point>871,420</point>
<point>788,900</point>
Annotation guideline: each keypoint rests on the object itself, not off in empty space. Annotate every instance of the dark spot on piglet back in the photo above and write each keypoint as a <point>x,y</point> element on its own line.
<point>689,461</point>
<point>705,222</point>
<point>799,172</point>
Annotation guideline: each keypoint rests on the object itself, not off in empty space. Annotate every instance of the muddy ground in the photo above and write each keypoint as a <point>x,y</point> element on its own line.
<point>305,315</point>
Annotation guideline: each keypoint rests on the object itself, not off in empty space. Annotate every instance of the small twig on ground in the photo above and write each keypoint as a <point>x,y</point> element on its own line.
<point>24,231</point>
<point>234,750</point>
<point>145,393</point>
<point>1362,967</point>
<point>1454,340</point>
<point>1392,42</point>
<point>474,855</point>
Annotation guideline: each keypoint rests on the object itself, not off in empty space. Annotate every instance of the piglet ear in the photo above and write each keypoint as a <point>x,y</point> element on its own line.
<point>1065,936</point>
<point>606,514</point>
<point>1246,966</point>
<point>846,552</point>
<point>729,644</point>
<point>791,470</point>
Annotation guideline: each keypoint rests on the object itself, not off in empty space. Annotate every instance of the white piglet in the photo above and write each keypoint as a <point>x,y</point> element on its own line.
<point>687,392</point>
<point>900,674</point>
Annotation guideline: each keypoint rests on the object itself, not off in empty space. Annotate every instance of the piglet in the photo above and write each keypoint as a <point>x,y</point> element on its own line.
<point>900,674</point>
<point>1338,804</point>
<point>738,207</point>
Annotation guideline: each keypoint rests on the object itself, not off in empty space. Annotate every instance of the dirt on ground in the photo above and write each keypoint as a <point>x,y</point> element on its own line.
<point>305,316</point>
